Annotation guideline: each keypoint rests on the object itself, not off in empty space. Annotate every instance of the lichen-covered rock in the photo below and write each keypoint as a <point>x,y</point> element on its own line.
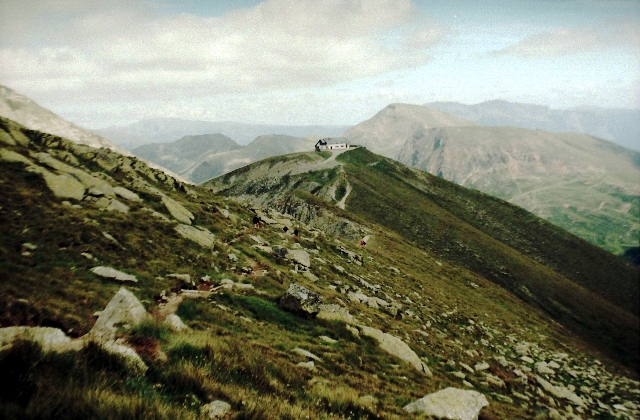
<point>300,300</point>
<point>124,310</point>
<point>559,391</point>
<point>450,403</point>
<point>175,324</point>
<point>131,359</point>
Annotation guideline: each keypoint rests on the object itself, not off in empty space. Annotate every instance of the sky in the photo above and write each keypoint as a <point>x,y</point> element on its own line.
<point>301,62</point>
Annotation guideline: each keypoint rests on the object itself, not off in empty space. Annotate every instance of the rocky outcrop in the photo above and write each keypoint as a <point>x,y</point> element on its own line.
<point>124,310</point>
<point>300,300</point>
<point>396,347</point>
<point>299,256</point>
<point>450,403</point>
<point>113,274</point>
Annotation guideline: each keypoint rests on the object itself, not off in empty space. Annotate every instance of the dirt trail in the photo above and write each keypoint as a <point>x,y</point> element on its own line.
<point>344,199</point>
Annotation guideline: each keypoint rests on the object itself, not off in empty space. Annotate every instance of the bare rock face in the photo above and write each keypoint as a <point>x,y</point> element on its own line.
<point>300,300</point>
<point>123,310</point>
<point>396,347</point>
<point>450,403</point>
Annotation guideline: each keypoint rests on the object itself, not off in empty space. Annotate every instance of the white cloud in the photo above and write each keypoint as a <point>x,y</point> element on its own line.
<point>279,44</point>
<point>571,40</point>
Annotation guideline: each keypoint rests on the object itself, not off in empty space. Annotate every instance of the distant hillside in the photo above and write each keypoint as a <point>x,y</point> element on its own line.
<point>585,185</point>
<point>620,126</point>
<point>581,286</point>
<point>163,130</point>
<point>210,166</point>
<point>387,131</point>
<point>179,155</point>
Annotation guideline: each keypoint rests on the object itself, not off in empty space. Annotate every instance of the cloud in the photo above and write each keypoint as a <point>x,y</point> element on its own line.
<point>126,48</point>
<point>570,40</point>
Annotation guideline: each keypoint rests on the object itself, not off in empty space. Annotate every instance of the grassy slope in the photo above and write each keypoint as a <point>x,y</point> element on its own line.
<point>247,362</point>
<point>565,276</point>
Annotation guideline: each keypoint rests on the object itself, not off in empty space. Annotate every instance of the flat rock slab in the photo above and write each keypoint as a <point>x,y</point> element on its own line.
<point>113,274</point>
<point>306,353</point>
<point>198,235</point>
<point>396,347</point>
<point>450,403</point>
<point>50,339</point>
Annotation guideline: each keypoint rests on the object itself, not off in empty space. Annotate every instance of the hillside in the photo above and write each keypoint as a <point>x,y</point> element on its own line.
<point>179,155</point>
<point>164,130</point>
<point>398,320</point>
<point>536,261</point>
<point>620,126</point>
<point>584,185</point>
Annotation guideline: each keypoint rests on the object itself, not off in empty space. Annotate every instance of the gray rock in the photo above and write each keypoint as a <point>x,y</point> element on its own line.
<point>196,234</point>
<point>175,324</point>
<point>116,205</point>
<point>131,358</point>
<point>396,347</point>
<point>306,353</point>
<point>177,210</point>
<point>300,300</point>
<point>185,279</point>
<point>113,274</point>
<point>328,339</point>
<point>124,310</point>
<point>450,403</point>
<point>299,256</point>
<point>50,339</point>
<point>481,366</point>
<point>332,312</point>
<point>307,365</point>
<point>559,391</point>
<point>215,410</point>
<point>126,194</point>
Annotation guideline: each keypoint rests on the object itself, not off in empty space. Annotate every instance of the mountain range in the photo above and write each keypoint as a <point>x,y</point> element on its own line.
<point>371,290</point>
<point>164,130</point>
<point>620,126</point>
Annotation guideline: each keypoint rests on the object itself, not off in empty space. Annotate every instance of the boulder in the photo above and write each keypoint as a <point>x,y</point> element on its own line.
<point>174,323</point>
<point>299,256</point>
<point>215,410</point>
<point>396,347</point>
<point>177,210</point>
<point>300,300</point>
<point>306,353</point>
<point>559,391</point>
<point>113,274</point>
<point>450,403</point>
<point>126,194</point>
<point>50,339</point>
<point>63,186</point>
<point>333,312</point>
<point>196,234</point>
<point>116,205</point>
<point>123,310</point>
<point>131,359</point>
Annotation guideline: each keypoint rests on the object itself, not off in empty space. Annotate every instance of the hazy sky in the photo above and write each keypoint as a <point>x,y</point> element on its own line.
<point>98,62</point>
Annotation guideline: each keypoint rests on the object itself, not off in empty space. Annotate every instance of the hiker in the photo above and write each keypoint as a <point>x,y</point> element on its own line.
<point>257,222</point>
<point>285,229</point>
<point>295,232</point>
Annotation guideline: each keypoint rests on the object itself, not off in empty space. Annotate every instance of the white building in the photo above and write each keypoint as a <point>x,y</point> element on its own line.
<point>332,144</point>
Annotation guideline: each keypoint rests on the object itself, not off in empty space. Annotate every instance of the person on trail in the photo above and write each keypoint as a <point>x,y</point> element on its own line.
<point>295,232</point>
<point>257,222</point>
<point>285,229</point>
